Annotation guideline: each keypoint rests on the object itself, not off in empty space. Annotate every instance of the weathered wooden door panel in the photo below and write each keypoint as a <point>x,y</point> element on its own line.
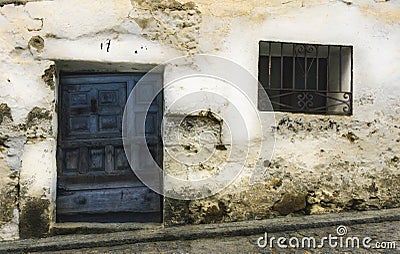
<point>139,199</point>
<point>95,181</point>
<point>94,110</point>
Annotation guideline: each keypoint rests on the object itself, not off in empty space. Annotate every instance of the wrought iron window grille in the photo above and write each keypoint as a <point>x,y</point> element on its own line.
<point>306,78</point>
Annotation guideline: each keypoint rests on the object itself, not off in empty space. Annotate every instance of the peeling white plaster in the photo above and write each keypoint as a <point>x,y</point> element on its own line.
<point>332,161</point>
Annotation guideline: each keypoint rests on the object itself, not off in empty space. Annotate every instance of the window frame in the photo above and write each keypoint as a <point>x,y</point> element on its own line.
<point>335,99</point>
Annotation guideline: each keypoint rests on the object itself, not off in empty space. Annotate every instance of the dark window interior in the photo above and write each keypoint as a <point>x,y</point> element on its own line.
<point>306,78</point>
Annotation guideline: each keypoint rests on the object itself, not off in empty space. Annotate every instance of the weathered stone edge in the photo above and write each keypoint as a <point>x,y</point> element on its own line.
<point>199,231</point>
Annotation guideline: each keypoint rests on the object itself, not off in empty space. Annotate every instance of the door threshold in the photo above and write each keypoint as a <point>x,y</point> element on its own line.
<point>66,228</point>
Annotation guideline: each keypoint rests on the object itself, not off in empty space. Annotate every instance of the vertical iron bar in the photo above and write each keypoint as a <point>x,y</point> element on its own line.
<point>340,69</point>
<point>316,56</point>
<point>281,65</point>
<point>305,67</point>
<point>351,81</point>
<point>327,69</point>
<point>294,67</point>
<point>269,65</point>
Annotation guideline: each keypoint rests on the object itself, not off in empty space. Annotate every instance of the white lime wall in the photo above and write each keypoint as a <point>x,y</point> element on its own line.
<point>320,163</point>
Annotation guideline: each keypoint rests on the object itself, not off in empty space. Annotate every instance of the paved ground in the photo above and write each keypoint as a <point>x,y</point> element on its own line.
<point>382,232</point>
<point>371,227</point>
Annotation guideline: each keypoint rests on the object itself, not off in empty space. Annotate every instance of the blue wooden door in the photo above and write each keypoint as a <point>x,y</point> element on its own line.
<point>95,181</point>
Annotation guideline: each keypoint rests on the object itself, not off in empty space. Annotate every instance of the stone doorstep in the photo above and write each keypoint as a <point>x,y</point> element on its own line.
<point>83,228</point>
<point>137,233</point>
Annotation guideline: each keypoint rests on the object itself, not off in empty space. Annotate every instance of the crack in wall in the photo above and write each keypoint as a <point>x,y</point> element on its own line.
<point>17,2</point>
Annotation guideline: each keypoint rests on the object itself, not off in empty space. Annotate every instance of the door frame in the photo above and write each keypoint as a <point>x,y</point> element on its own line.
<point>59,105</point>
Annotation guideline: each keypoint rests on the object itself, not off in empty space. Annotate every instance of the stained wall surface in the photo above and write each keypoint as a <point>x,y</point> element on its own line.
<point>320,163</point>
